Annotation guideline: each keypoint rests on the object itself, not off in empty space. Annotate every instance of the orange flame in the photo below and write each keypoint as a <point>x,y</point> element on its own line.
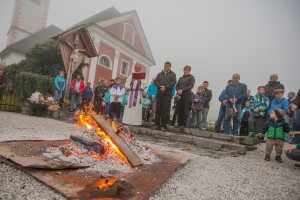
<point>88,122</point>
<point>104,184</point>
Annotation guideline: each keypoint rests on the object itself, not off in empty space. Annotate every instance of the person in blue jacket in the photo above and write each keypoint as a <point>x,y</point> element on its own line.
<point>152,91</point>
<point>60,84</point>
<point>87,94</point>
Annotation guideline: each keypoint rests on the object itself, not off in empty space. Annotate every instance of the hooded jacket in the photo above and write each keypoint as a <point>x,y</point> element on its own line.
<point>60,83</point>
<point>276,130</point>
<point>281,103</point>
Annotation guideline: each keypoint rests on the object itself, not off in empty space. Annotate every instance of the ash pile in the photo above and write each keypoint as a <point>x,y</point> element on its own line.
<point>94,148</point>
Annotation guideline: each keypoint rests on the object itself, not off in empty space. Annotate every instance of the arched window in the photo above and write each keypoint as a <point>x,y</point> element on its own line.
<point>129,33</point>
<point>105,61</point>
<point>124,68</point>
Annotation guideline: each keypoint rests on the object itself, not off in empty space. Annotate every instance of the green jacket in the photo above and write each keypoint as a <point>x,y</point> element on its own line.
<point>276,130</point>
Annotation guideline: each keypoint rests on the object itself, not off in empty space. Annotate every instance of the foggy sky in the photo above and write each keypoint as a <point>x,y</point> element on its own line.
<point>217,38</point>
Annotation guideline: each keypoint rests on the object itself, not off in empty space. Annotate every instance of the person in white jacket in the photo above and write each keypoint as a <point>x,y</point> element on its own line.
<point>133,108</point>
<point>117,92</point>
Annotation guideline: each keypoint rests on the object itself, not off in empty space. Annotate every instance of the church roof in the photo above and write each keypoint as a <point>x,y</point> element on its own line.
<point>27,43</point>
<point>112,13</point>
<point>104,15</point>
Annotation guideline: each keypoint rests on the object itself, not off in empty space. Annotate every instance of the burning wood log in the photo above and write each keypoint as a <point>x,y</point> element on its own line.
<point>124,148</point>
<point>94,146</point>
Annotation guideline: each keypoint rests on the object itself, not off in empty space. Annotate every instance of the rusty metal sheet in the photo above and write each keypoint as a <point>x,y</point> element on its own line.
<point>138,184</point>
<point>28,153</point>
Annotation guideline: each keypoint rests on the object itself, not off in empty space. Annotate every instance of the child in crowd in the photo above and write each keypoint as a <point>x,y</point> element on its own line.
<point>87,94</point>
<point>146,107</point>
<point>107,102</point>
<point>117,92</point>
<point>245,114</point>
<point>124,103</point>
<point>259,105</point>
<point>279,102</point>
<point>275,129</point>
<point>198,101</point>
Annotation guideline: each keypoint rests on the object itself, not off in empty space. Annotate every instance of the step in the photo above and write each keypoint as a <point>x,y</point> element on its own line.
<point>207,143</point>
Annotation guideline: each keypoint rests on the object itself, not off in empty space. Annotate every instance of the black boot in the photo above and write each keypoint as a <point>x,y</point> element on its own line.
<point>267,158</point>
<point>278,159</point>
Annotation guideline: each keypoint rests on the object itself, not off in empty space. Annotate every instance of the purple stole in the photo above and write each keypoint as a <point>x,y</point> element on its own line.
<point>134,95</point>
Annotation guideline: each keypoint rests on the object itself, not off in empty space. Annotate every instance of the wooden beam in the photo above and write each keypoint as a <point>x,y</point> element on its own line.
<point>133,159</point>
<point>94,146</point>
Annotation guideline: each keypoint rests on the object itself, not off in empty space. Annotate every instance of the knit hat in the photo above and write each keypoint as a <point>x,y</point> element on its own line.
<point>279,113</point>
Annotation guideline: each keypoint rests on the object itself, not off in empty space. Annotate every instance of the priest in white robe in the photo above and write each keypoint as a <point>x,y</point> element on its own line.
<point>133,109</point>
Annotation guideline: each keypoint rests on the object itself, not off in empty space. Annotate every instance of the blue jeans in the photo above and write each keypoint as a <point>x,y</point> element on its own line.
<point>57,96</point>
<point>203,122</point>
<point>220,117</point>
<point>107,108</point>
<point>75,101</point>
<point>236,119</point>
<point>196,119</point>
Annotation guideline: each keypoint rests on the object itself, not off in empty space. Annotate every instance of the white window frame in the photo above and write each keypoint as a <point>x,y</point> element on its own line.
<point>122,66</point>
<point>99,63</point>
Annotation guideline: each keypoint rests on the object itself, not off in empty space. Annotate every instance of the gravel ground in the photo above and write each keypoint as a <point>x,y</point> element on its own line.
<point>208,175</point>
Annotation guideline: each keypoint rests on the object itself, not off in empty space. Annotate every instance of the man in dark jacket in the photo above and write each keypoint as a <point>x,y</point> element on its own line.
<point>273,85</point>
<point>235,93</point>
<point>3,81</point>
<point>165,80</point>
<point>99,92</point>
<point>208,96</point>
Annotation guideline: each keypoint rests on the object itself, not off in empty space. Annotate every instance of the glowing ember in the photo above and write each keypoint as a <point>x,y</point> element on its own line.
<point>104,184</point>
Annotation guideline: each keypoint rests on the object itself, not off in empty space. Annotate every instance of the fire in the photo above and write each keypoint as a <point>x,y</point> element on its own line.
<point>104,184</point>
<point>88,123</point>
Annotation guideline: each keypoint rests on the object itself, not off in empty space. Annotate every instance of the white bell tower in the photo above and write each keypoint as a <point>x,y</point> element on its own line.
<point>29,16</point>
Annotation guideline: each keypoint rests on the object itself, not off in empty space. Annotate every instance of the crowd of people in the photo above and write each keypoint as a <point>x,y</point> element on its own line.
<point>267,115</point>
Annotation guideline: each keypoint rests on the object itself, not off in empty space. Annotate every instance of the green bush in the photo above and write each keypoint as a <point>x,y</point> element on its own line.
<point>28,83</point>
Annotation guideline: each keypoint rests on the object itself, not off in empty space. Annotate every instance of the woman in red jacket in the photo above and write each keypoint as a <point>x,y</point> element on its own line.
<point>77,87</point>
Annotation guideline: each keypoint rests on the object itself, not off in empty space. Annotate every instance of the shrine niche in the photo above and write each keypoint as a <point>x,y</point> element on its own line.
<point>75,45</point>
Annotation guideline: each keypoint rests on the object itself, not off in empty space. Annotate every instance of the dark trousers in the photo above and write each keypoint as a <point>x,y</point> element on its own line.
<point>294,155</point>
<point>163,107</point>
<point>259,123</point>
<point>244,128</point>
<point>182,108</point>
<point>175,115</point>
<point>97,104</point>
<point>115,110</point>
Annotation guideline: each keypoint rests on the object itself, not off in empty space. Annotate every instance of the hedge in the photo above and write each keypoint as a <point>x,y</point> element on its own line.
<point>28,83</point>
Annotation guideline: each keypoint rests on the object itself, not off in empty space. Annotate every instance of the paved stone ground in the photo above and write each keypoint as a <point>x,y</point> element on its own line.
<point>208,175</point>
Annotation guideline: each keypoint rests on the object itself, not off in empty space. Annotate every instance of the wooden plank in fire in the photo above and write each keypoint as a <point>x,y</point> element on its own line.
<point>119,142</point>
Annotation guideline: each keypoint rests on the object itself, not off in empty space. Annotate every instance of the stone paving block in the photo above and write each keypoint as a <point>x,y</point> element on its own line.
<point>208,144</point>
<point>55,114</point>
<point>241,149</point>
<point>144,130</point>
<point>181,138</point>
<point>251,148</point>
<point>187,130</point>
<point>221,136</point>
<point>199,133</point>
<point>62,115</point>
<point>247,141</point>
<point>172,128</point>
<point>134,129</point>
